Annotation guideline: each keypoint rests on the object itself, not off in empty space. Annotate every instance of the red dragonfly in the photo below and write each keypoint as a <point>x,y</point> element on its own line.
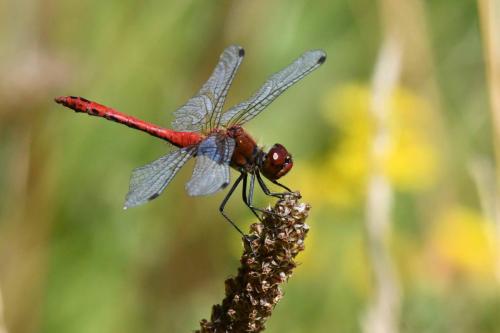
<point>215,138</point>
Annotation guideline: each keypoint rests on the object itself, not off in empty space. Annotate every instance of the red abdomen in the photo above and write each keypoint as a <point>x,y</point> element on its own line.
<point>80,104</point>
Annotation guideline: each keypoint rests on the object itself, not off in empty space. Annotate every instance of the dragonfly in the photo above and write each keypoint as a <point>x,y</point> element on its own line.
<point>216,139</point>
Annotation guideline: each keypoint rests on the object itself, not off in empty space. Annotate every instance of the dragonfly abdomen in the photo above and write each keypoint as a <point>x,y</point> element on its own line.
<point>80,104</point>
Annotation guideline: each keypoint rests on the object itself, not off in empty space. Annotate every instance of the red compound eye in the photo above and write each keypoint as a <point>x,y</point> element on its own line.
<point>277,162</point>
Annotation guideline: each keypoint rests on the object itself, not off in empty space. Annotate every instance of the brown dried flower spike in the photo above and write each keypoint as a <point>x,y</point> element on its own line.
<point>252,295</point>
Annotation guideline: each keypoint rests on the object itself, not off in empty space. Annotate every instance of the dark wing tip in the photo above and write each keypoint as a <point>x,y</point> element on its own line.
<point>322,59</point>
<point>241,52</point>
<point>154,196</point>
<point>59,100</point>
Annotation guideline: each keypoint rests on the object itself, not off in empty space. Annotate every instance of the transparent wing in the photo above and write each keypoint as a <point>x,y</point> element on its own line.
<point>147,182</point>
<point>203,111</point>
<point>273,87</point>
<point>211,172</point>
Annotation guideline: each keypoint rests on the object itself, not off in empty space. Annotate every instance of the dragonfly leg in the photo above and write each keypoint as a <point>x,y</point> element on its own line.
<point>223,205</point>
<point>226,199</point>
<point>249,203</point>
<point>281,185</point>
<point>251,194</point>
<point>266,190</point>
<point>248,200</point>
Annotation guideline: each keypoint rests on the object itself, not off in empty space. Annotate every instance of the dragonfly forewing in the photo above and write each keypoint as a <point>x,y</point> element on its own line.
<point>273,87</point>
<point>203,111</point>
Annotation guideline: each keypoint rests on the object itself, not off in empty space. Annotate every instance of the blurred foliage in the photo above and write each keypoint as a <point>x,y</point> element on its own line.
<point>410,164</point>
<point>71,260</point>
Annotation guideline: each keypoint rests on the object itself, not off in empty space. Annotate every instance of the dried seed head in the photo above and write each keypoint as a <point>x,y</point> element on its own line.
<point>252,295</point>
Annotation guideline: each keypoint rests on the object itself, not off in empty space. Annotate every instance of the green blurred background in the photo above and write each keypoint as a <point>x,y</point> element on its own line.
<point>392,140</point>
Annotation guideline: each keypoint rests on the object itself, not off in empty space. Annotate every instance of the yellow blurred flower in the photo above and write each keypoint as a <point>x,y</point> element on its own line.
<point>459,240</point>
<point>410,163</point>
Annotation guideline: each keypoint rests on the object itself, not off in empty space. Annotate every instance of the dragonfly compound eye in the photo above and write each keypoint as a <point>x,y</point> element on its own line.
<point>277,162</point>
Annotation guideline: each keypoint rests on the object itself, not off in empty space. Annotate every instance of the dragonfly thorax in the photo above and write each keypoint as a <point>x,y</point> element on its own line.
<point>246,152</point>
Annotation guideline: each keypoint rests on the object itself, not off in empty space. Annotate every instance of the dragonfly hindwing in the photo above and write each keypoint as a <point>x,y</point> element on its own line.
<point>211,172</point>
<point>147,182</point>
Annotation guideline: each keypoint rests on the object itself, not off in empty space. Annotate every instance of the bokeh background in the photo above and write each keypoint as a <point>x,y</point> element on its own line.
<point>393,143</point>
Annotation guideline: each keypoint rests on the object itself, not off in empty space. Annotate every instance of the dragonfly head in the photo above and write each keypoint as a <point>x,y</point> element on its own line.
<point>276,163</point>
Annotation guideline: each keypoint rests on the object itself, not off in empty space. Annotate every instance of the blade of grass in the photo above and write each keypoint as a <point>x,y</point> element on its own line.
<point>383,314</point>
<point>489,15</point>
